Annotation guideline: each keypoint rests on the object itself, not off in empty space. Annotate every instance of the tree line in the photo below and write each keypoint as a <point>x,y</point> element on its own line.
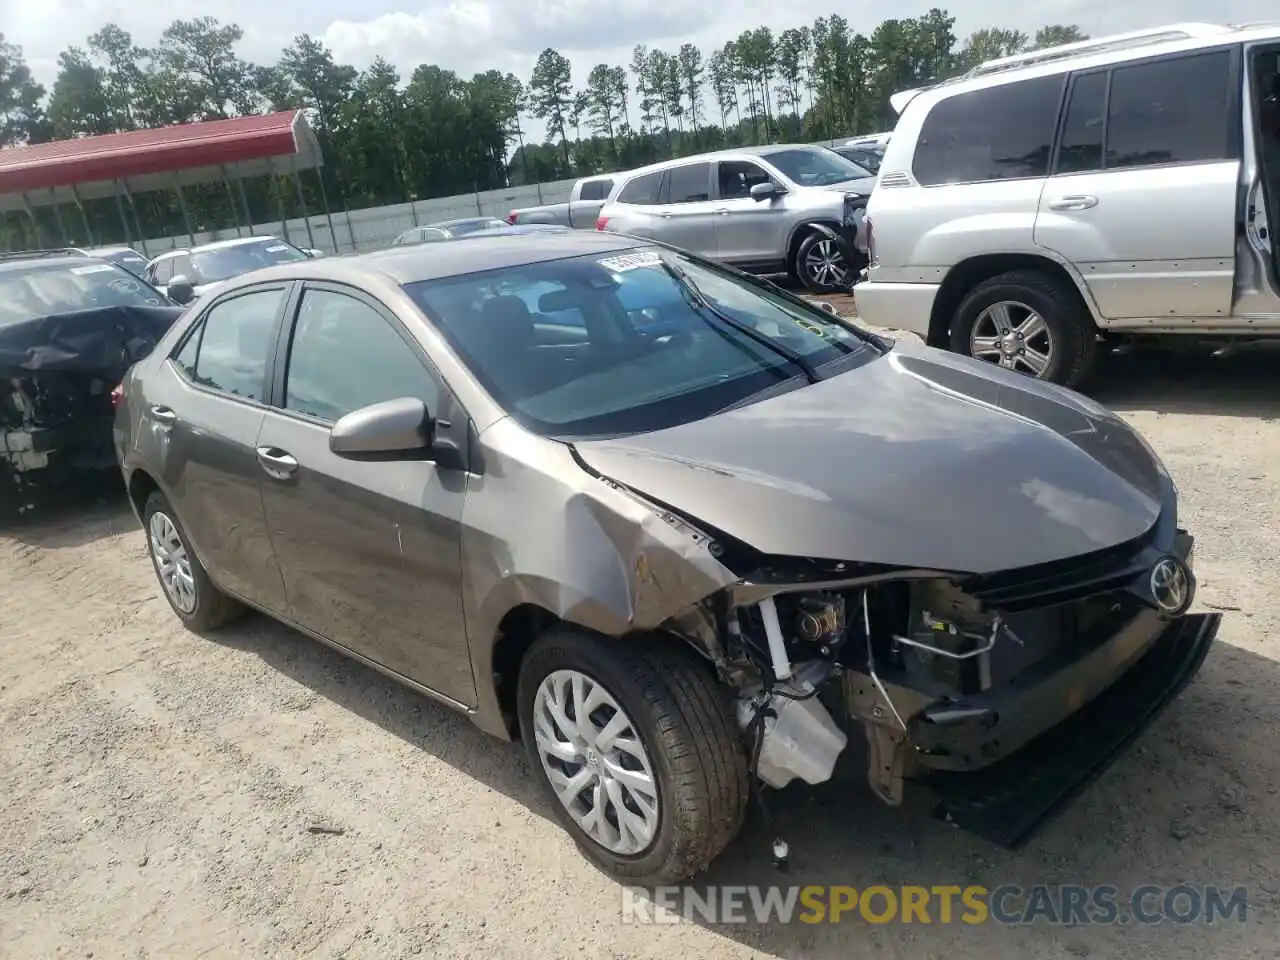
<point>389,139</point>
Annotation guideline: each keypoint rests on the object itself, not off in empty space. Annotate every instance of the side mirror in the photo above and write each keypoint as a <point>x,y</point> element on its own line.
<point>765,191</point>
<point>314,253</point>
<point>400,429</point>
<point>180,290</point>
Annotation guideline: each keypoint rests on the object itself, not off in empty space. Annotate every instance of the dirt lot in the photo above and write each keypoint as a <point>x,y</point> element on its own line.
<point>254,794</point>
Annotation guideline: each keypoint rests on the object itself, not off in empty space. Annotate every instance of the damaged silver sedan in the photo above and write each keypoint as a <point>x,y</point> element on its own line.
<point>685,535</point>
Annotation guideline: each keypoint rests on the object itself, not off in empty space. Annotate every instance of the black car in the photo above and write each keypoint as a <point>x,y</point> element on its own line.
<point>70,325</point>
<point>680,531</point>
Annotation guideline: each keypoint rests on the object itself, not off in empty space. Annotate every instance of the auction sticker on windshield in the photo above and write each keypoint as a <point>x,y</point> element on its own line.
<point>93,268</point>
<point>277,248</point>
<point>631,261</point>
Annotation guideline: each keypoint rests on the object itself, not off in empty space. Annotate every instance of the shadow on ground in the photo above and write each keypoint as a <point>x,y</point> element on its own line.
<point>1184,805</point>
<point>1241,384</point>
<point>74,513</point>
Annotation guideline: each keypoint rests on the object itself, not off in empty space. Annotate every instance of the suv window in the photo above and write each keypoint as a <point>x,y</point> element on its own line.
<point>595,189</point>
<point>162,272</point>
<point>182,267</point>
<point>1084,125</point>
<point>229,352</point>
<point>642,190</point>
<point>345,355</point>
<point>688,184</point>
<point>1000,133</point>
<point>1170,111</point>
<point>737,177</point>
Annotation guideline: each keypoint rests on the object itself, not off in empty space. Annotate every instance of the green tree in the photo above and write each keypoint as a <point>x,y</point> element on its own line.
<point>551,94</point>
<point>79,103</point>
<point>22,118</point>
<point>1057,34</point>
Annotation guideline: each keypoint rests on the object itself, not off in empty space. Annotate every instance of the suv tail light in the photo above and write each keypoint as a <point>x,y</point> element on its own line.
<point>117,395</point>
<point>601,222</point>
<point>512,217</point>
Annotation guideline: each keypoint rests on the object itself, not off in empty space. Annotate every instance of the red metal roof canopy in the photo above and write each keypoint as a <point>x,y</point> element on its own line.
<point>214,144</point>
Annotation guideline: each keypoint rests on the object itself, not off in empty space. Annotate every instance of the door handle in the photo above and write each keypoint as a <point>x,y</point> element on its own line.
<point>163,415</point>
<point>1080,202</point>
<point>665,216</point>
<point>723,211</point>
<point>278,464</point>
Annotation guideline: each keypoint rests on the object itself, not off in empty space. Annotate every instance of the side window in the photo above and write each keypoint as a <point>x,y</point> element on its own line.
<point>689,184</point>
<point>181,265</point>
<point>642,191</point>
<point>1170,111</point>
<point>345,355</point>
<point>163,270</point>
<point>234,343</point>
<point>596,189</point>
<point>737,177</point>
<point>430,235</point>
<point>1083,126</point>
<point>999,133</point>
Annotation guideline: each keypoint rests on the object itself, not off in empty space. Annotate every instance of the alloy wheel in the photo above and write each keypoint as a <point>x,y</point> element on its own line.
<point>173,562</point>
<point>824,265</point>
<point>1014,336</point>
<point>596,762</point>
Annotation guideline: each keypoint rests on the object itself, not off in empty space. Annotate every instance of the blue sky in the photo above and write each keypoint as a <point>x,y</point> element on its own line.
<point>473,35</point>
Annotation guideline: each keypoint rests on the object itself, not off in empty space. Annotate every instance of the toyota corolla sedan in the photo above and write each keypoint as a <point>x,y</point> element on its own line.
<point>679,531</point>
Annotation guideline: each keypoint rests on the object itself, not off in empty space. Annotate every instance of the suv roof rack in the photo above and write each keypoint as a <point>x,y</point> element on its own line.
<point>41,254</point>
<point>1116,41</point>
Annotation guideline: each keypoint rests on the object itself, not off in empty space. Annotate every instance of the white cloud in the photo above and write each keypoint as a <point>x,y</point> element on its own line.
<point>469,36</point>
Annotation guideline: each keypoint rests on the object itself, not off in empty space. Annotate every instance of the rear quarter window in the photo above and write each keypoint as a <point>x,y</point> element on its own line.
<point>997,133</point>
<point>643,190</point>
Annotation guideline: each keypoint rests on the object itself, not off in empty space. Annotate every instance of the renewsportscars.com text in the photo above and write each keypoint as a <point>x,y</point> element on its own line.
<point>939,904</point>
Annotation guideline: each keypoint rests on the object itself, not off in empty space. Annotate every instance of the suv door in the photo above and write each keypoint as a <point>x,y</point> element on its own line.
<point>743,231</point>
<point>200,433</point>
<point>686,213</point>
<point>1143,194</point>
<point>371,552</point>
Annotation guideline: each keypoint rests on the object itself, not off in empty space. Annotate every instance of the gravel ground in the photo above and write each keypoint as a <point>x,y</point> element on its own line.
<point>254,794</point>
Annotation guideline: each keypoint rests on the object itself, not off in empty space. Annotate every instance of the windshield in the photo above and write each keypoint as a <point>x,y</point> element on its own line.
<point>44,291</point>
<point>130,261</point>
<point>223,263</point>
<point>818,167</point>
<point>869,159</point>
<point>632,341</point>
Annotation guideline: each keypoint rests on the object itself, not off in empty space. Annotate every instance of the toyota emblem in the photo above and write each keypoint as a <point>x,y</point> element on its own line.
<point>1171,586</point>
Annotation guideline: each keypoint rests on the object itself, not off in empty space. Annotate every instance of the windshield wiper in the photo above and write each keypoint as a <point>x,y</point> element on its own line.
<point>690,286</point>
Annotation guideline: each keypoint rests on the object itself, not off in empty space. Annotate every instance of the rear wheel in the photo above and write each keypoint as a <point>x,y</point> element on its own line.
<point>1028,322</point>
<point>186,585</point>
<point>637,748</point>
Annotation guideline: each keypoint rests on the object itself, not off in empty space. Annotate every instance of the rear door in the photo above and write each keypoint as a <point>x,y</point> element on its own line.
<point>1143,194</point>
<point>200,431</point>
<point>686,211</point>
<point>370,552</point>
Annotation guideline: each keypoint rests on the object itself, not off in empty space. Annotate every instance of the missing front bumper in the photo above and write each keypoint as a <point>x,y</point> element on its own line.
<point>1007,802</point>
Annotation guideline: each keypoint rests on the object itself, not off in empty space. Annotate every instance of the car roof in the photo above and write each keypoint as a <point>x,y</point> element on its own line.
<point>459,221</point>
<point>103,251</point>
<point>434,261</point>
<point>20,264</point>
<point>216,245</point>
<point>732,153</point>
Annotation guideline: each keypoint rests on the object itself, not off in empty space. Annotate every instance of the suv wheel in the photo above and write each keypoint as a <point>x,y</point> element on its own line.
<point>1027,322</point>
<point>638,751</point>
<point>821,267</point>
<point>197,602</point>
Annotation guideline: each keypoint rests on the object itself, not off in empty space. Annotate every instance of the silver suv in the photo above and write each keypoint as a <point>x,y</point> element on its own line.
<point>1099,190</point>
<point>756,208</point>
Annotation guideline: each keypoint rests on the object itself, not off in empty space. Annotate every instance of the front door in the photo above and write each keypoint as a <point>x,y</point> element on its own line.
<point>205,454</point>
<point>1143,195</point>
<point>370,552</point>
<point>747,231</point>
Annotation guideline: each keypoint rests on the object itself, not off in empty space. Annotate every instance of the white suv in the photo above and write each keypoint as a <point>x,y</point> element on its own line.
<point>1099,190</point>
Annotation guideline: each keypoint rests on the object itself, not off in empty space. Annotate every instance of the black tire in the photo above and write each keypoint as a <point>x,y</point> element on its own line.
<point>213,608</point>
<point>684,719</point>
<point>1070,328</point>
<point>802,272</point>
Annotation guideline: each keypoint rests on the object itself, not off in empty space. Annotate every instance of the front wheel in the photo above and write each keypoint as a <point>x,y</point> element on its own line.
<point>821,266</point>
<point>638,751</point>
<point>1027,322</point>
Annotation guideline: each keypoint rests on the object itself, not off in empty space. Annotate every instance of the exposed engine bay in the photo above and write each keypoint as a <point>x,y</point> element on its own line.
<point>939,677</point>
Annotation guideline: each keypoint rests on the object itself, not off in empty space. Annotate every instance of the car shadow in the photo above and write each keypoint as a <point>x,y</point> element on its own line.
<point>92,507</point>
<point>1243,383</point>
<point>1189,803</point>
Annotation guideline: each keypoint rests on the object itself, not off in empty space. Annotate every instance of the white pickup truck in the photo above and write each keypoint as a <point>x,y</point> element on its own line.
<point>585,200</point>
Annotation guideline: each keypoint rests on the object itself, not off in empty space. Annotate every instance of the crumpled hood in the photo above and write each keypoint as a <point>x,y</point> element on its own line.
<point>920,458</point>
